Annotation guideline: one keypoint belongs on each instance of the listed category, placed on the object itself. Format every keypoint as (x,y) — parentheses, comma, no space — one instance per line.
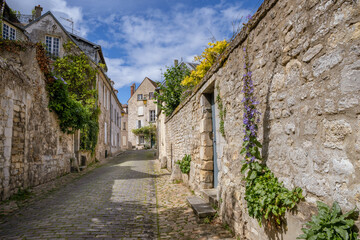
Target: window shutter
(140,111)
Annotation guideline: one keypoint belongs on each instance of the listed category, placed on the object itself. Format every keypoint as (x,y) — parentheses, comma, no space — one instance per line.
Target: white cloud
(59,8)
(153,40)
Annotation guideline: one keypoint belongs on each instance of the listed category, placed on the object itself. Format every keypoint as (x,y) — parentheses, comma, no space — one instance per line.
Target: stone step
(201,208)
(210,195)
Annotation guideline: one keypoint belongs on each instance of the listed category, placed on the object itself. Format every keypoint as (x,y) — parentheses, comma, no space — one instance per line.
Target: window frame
(150,116)
(141,140)
(140,97)
(151,95)
(9,32)
(52,52)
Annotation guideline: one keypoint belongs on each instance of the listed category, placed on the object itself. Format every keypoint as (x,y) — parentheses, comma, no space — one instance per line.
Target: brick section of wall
(305,59)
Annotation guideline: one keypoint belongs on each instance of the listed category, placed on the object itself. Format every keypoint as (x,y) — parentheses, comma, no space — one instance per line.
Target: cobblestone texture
(114,201)
(176,218)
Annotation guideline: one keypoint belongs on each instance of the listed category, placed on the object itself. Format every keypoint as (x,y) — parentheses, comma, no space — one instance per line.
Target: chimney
(176,62)
(38,11)
(132,89)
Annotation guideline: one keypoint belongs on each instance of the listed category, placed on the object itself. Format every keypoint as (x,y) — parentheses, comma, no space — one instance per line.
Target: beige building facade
(142,111)
(125,144)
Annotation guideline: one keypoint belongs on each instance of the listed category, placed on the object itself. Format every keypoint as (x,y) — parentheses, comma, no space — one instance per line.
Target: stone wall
(305,60)
(33,150)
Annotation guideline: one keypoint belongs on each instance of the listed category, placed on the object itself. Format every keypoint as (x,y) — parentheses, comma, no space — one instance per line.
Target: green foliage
(71,113)
(185,164)
(80,76)
(73,96)
(21,195)
(147,131)
(267,197)
(171,89)
(331,224)
(222,112)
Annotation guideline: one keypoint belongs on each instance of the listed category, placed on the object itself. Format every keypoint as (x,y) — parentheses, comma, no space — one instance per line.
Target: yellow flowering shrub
(206,59)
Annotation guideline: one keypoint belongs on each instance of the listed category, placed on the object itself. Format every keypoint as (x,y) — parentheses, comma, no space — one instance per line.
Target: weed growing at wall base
(331,224)
(184,164)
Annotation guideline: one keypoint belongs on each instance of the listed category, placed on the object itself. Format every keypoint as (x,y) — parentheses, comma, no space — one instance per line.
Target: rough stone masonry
(305,61)
(33,150)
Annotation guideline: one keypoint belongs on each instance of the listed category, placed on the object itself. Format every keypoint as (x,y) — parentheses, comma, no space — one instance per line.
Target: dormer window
(9,32)
(52,45)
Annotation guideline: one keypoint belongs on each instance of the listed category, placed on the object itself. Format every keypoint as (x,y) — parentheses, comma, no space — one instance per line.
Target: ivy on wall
(222,111)
(73,96)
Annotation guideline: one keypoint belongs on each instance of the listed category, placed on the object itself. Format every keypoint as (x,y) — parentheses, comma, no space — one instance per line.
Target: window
(140,111)
(9,32)
(105,134)
(118,140)
(124,126)
(141,139)
(139,123)
(104,96)
(52,45)
(124,140)
(151,95)
(152,116)
(140,97)
(100,88)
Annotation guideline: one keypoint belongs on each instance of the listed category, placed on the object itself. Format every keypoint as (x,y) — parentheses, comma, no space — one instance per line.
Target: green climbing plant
(266,197)
(222,112)
(73,96)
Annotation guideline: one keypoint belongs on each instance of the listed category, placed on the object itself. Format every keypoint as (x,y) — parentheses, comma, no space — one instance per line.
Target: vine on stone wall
(76,84)
(266,197)
(222,111)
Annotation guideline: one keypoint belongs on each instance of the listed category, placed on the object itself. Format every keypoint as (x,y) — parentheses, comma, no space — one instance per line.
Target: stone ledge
(202,209)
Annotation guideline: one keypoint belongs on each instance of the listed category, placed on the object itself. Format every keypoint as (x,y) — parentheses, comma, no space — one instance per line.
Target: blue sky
(140,38)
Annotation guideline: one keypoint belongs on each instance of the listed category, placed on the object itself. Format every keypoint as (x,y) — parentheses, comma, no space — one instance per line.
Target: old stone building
(110,106)
(33,149)
(125,144)
(142,111)
(305,58)
(11,28)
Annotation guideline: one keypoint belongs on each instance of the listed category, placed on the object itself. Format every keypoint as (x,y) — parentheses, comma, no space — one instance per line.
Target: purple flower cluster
(250,118)
(60,79)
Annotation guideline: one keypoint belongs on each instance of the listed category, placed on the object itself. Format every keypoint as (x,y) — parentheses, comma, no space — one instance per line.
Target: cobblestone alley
(114,201)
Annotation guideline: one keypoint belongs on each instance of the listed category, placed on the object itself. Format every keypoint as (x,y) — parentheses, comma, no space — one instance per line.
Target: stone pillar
(206,145)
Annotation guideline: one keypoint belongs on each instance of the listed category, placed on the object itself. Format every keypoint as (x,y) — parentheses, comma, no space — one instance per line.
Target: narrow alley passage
(114,201)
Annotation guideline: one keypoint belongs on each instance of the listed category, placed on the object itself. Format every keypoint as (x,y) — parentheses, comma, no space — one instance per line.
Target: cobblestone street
(114,201)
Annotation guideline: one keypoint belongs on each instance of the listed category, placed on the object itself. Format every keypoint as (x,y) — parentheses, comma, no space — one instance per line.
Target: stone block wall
(305,60)
(33,150)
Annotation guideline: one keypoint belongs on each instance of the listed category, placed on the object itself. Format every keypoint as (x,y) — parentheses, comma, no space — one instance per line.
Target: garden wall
(33,150)
(305,62)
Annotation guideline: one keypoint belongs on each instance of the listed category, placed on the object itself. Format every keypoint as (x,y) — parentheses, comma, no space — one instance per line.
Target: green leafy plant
(71,113)
(222,112)
(149,132)
(184,164)
(171,90)
(331,224)
(73,96)
(267,197)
